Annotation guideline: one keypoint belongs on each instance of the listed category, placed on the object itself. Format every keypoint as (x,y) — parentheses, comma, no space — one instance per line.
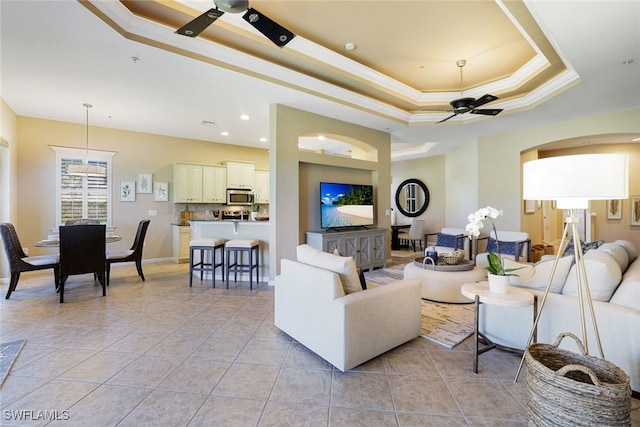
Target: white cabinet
(262,186)
(367,247)
(214,184)
(240,174)
(181,240)
(187,183)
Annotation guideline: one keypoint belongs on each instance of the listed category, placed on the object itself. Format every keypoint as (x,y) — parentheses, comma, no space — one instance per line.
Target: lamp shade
(573,180)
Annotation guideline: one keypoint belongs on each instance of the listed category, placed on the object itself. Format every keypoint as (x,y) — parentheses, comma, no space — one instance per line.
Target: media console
(367,247)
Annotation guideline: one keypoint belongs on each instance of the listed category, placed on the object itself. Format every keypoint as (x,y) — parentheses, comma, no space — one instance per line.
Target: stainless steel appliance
(239,196)
(240,215)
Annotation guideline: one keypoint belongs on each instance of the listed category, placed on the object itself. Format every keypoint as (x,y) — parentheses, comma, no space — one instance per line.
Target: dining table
(53,243)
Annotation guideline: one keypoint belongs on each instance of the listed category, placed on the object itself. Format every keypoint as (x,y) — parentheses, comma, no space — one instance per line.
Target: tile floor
(161,353)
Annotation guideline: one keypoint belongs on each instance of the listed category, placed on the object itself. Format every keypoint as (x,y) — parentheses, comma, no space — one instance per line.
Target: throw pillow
(628,246)
(506,248)
(345,267)
(541,272)
(618,253)
(603,274)
(446,240)
(570,250)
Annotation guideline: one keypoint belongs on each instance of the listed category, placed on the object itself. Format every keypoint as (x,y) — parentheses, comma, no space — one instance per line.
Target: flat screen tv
(345,205)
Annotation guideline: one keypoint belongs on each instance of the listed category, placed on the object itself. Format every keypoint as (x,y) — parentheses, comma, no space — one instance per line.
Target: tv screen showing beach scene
(346,205)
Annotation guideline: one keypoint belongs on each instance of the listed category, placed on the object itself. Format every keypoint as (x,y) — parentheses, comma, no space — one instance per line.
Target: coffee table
(514,297)
(442,283)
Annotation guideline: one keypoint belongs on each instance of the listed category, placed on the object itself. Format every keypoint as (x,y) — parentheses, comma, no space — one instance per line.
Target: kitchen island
(228,230)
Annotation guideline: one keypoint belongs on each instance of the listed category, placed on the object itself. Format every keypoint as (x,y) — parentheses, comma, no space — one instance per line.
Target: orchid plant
(476,223)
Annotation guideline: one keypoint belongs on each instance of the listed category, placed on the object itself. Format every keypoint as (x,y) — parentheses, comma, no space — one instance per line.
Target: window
(82,197)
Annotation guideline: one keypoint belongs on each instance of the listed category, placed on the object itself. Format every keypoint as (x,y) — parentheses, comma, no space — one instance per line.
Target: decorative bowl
(452,258)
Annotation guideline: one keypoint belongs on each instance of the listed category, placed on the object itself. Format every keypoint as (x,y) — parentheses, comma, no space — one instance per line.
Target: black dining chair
(132,255)
(82,250)
(19,262)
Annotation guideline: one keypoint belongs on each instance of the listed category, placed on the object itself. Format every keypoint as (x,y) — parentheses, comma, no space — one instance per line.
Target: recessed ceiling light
(207,123)
(224,133)
(321,137)
(349,46)
(244,117)
(263,139)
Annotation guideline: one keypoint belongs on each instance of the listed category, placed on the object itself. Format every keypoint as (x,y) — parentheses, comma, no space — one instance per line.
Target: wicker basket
(452,258)
(571,389)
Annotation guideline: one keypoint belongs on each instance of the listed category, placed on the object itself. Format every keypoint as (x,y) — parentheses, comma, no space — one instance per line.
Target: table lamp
(572,181)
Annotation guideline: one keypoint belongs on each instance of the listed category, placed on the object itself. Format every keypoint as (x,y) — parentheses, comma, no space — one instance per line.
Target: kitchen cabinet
(262,186)
(367,247)
(187,183)
(240,174)
(214,184)
(181,240)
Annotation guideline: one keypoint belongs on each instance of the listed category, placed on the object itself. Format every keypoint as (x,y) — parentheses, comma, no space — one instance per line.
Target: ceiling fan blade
(272,30)
(485,99)
(487,111)
(199,24)
(444,120)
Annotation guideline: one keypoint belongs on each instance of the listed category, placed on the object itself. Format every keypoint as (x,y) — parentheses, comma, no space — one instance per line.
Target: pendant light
(87,169)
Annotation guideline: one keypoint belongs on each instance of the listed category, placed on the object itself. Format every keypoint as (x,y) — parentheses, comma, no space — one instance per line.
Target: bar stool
(206,246)
(238,247)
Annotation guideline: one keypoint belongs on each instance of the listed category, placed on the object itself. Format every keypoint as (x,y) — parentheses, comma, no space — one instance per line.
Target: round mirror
(412,197)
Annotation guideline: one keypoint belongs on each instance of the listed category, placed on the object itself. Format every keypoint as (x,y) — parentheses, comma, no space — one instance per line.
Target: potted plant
(255,210)
(498,276)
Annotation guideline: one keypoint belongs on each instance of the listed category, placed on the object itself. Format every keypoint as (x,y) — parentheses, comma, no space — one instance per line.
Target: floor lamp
(572,181)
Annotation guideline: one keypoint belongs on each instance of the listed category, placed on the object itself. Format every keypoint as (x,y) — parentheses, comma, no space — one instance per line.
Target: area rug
(444,324)
(8,354)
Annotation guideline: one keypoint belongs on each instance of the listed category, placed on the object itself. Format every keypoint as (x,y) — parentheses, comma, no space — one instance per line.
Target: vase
(498,284)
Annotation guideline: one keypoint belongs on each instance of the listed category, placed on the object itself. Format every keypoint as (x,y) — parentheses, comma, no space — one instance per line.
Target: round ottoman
(444,286)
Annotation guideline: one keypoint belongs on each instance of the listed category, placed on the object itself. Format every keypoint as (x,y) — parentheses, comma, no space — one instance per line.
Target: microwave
(239,196)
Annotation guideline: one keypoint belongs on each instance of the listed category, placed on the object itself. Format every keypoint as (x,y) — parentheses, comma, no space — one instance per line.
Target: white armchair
(344,329)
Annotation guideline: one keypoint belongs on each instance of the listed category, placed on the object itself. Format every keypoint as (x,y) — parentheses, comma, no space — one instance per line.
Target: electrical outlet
(153,212)
(387,212)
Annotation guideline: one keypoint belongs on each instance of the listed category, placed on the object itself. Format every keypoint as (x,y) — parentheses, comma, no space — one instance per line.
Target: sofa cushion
(345,267)
(628,246)
(535,276)
(603,274)
(618,253)
(628,292)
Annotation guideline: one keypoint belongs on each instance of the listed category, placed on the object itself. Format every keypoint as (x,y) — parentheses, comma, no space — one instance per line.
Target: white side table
(515,297)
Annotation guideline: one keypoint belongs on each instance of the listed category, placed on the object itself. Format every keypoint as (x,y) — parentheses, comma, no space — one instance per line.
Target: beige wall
(8,173)
(136,153)
(432,172)
(287,223)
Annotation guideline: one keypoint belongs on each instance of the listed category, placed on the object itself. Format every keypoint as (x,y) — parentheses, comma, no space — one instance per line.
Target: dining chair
(19,262)
(132,255)
(82,250)
(415,233)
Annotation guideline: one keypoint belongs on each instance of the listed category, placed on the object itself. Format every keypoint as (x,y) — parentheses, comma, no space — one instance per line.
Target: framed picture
(614,209)
(144,183)
(529,206)
(635,210)
(127,191)
(160,191)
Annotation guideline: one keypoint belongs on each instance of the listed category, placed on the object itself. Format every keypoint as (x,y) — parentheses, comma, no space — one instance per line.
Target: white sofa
(613,273)
(344,329)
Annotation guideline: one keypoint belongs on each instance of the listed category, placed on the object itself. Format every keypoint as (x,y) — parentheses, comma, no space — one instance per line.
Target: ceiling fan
(275,32)
(470,105)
